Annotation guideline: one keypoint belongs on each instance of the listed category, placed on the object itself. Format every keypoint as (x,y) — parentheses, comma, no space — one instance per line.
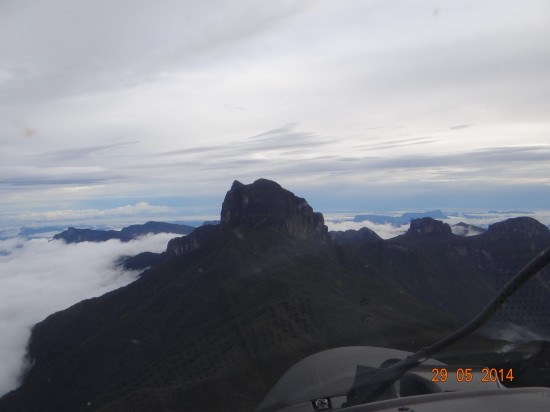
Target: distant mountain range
(73,235)
(461,229)
(404,219)
(225,310)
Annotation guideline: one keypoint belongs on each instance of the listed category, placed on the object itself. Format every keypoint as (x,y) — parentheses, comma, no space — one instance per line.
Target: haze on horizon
(153,109)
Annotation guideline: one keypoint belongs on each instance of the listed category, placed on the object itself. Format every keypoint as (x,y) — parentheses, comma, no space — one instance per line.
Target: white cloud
(39,277)
(385,231)
(465,231)
(514,333)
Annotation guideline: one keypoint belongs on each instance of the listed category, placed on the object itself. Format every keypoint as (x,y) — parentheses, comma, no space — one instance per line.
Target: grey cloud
(41,180)
(295,157)
(277,139)
(52,177)
(505,157)
(390,144)
(80,166)
(194,150)
(63,53)
(459,126)
(288,140)
(76,155)
(482,158)
(480,164)
(352,159)
(275,132)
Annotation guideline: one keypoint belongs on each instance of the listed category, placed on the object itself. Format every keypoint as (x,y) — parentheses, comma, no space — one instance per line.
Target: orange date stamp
(467,375)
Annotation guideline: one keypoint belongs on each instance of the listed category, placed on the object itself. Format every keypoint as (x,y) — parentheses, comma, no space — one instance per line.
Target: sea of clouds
(39,277)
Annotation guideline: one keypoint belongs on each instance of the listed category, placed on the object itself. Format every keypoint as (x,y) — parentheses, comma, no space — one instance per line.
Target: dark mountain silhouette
(215,322)
(142,260)
(460,274)
(73,235)
(176,246)
(355,237)
(266,206)
(426,226)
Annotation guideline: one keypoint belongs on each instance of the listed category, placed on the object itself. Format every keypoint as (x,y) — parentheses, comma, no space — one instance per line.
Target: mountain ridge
(231,306)
(74,235)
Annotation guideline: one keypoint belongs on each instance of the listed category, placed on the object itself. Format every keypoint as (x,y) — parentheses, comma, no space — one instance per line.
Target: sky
(142,109)
(39,277)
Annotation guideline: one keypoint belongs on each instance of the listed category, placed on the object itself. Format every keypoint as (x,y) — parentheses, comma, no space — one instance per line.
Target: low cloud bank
(514,333)
(39,277)
(385,231)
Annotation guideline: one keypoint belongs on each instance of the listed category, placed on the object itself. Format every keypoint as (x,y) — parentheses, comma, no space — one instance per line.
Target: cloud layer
(39,277)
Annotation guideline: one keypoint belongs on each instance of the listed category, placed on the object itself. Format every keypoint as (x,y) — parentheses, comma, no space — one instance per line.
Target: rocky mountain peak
(428,226)
(523,226)
(265,205)
(355,237)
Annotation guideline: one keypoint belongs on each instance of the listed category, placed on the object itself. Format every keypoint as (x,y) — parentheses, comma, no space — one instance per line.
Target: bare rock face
(261,206)
(428,227)
(197,238)
(355,237)
(264,205)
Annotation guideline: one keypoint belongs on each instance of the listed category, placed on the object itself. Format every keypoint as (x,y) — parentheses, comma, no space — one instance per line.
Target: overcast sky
(154,108)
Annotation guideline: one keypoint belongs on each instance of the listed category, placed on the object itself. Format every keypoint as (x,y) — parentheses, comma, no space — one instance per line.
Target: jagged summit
(261,206)
(265,205)
(355,237)
(428,227)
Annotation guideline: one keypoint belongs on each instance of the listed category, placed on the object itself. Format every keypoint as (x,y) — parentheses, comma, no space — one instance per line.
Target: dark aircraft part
(375,382)
(354,376)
